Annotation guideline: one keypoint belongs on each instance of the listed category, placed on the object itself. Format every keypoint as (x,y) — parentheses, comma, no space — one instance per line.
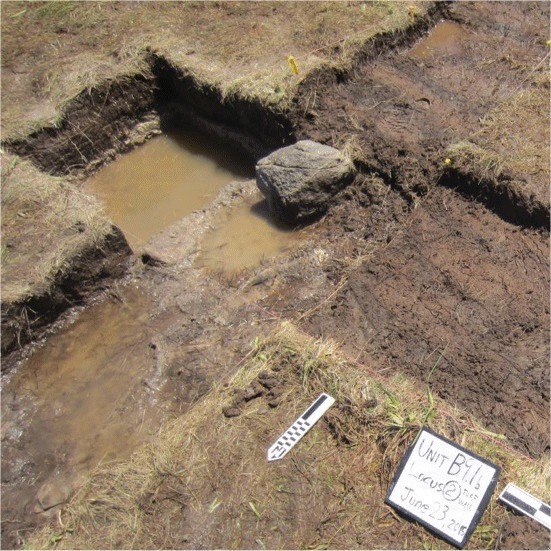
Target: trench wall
(98,124)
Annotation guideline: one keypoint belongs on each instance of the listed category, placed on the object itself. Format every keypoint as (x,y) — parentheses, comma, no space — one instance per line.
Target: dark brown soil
(413,269)
(454,279)
(95,270)
(403,109)
(107,113)
(520,533)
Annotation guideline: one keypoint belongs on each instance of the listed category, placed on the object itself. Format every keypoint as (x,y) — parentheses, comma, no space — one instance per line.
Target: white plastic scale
(527,504)
(300,427)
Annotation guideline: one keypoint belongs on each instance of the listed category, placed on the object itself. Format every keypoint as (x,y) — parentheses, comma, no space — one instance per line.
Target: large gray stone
(299,180)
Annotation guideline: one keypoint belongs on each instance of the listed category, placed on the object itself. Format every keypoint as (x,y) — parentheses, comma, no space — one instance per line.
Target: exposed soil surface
(403,107)
(454,279)
(407,266)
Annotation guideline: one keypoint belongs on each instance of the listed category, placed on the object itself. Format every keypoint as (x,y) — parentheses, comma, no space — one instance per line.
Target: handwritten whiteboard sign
(443,486)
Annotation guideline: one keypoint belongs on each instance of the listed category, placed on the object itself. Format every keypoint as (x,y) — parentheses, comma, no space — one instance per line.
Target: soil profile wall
(97,124)
(92,271)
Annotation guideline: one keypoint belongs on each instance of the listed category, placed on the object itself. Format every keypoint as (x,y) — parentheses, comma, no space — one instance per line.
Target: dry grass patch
(511,148)
(51,51)
(64,222)
(206,483)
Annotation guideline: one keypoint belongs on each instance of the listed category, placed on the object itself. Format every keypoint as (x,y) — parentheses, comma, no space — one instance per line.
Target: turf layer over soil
(431,270)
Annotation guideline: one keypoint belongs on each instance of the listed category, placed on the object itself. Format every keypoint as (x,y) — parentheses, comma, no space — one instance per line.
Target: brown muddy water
(91,393)
(81,399)
(164,180)
(173,175)
(244,236)
(444,40)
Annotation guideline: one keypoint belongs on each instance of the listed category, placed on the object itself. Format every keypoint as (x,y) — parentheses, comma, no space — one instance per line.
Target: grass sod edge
(474,170)
(27,28)
(359,443)
(403,416)
(502,164)
(136,79)
(359,48)
(69,251)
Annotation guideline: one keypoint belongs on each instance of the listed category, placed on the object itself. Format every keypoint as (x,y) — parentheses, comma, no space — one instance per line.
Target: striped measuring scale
(300,427)
(526,503)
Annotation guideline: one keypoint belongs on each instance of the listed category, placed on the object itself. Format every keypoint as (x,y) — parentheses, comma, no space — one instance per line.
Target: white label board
(443,486)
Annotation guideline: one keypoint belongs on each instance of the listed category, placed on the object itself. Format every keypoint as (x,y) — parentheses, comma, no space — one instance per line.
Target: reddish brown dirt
(522,533)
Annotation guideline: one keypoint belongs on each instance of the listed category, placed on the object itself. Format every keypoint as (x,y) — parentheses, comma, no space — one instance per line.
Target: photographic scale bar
(526,503)
(300,427)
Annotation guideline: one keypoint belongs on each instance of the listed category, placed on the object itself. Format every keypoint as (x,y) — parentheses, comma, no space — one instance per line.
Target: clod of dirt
(253,391)
(51,494)
(274,402)
(151,259)
(265,385)
(268,381)
(231,411)
(265,277)
(338,428)
(371,403)
(299,180)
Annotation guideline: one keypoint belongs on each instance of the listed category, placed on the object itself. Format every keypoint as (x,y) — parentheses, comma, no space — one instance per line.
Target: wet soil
(164,180)
(403,107)
(147,351)
(95,269)
(459,281)
(79,400)
(399,271)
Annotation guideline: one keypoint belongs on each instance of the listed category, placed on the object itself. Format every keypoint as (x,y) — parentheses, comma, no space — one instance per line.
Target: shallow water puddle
(245,236)
(171,176)
(80,398)
(445,39)
(92,392)
(164,180)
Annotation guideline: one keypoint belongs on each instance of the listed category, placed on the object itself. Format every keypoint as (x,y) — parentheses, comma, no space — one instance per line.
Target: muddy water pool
(79,400)
(164,180)
(92,393)
(244,236)
(445,39)
(173,175)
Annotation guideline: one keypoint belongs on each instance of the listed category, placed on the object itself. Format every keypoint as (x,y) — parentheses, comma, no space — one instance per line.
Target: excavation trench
(399,269)
(100,123)
(399,136)
(109,120)
(62,409)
